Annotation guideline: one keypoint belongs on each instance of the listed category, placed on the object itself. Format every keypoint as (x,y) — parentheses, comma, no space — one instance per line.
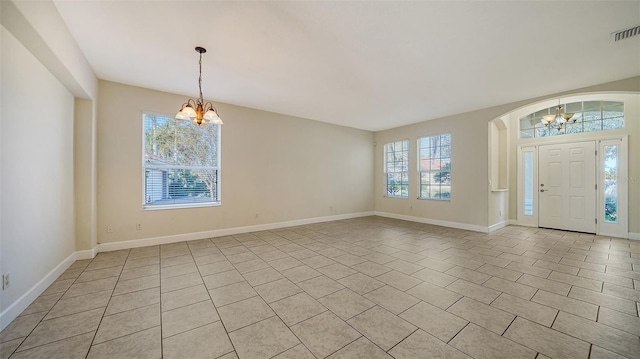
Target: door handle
(542,190)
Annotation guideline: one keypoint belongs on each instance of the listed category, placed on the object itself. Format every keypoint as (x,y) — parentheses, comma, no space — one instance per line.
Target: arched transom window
(574,117)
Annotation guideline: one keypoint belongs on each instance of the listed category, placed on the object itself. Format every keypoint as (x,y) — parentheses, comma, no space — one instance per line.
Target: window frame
(403,174)
(152,207)
(431,172)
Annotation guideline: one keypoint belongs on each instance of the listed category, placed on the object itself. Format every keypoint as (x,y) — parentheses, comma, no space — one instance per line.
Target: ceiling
(368,65)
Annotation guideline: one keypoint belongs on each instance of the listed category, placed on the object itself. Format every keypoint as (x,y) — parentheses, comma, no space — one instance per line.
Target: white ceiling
(368,65)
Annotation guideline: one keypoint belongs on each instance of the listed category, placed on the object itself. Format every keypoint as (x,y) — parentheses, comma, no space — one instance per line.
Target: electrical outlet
(109,229)
(257,215)
(500,213)
(5,281)
(330,208)
(139,226)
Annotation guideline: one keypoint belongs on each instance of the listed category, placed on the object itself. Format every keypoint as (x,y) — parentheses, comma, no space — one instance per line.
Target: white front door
(567,186)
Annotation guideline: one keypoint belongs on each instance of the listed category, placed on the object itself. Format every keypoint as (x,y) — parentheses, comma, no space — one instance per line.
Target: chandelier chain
(200,80)
(197,110)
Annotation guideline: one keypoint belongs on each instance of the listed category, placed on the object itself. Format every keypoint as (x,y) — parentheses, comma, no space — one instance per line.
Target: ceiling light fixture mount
(559,120)
(198,111)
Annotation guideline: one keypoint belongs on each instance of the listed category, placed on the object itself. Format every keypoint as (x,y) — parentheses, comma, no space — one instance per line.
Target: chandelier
(559,120)
(198,111)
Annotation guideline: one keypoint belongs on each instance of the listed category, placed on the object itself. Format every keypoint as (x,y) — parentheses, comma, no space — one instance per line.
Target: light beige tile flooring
(361,288)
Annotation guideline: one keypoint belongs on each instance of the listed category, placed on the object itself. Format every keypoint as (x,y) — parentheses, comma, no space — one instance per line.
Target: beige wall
(37,25)
(631,129)
(279,167)
(37,170)
(469,153)
(470,175)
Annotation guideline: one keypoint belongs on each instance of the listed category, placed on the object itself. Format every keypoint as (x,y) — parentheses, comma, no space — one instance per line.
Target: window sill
(157,207)
(435,199)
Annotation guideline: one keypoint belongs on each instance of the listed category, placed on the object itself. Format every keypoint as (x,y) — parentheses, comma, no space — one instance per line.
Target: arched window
(583,116)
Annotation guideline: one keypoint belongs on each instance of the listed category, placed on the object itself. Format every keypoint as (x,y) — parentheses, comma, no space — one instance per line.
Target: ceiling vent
(624,34)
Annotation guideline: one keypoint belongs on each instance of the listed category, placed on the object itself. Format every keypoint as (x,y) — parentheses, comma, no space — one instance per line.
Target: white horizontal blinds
(589,116)
(181,162)
(397,168)
(434,153)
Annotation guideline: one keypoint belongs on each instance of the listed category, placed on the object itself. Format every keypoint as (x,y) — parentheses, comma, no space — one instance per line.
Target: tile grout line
(507,328)
(275,313)
(211,299)
(403,339)
(49,310)
(109,301)
(459,331)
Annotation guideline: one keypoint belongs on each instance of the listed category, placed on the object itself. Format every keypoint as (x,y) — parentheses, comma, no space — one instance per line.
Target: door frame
(620,229)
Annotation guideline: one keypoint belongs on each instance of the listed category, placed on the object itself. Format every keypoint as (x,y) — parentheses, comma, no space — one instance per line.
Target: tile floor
(363,288)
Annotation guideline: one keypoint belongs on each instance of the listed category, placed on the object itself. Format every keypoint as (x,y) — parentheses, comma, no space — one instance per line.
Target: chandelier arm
(209,106)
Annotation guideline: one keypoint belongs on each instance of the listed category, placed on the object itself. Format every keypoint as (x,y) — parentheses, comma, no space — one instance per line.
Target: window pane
(591,126)
(526,122)
(574,127)
(613,110)
(541,113)
(592,105)
(176,142)
(542,131)
(573,107)
(528,183)
(554,131)
(177,186)
(611,183)
(445,192)
(613,123)
(424,142)
(592,115)
(435,167)
(527,134)
(396,166)
(181,161)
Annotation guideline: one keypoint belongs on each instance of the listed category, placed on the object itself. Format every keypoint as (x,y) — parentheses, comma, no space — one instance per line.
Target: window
(589,116)
(528,183)
(611,183)
(181,163)
(435,167)
(396,167)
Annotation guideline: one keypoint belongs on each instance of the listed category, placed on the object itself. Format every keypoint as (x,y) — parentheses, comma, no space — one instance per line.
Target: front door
(567,186)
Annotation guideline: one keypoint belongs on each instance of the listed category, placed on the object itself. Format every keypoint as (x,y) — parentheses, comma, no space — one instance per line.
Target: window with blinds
(396,167)
(181,163)
(434,153)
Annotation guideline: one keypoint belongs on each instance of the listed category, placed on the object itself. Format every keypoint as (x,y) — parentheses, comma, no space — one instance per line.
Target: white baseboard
(497,226)
(437,222)
(634,236)
(17,307)
(104,247)
(86,254)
